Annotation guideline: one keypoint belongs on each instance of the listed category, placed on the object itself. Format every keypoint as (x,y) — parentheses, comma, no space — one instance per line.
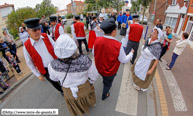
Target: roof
(76,2)
(62,10)
(6,5)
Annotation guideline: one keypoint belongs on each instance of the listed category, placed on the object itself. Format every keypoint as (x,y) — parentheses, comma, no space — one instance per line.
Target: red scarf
(127,15)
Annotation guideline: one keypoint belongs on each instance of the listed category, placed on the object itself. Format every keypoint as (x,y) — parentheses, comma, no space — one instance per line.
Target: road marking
(162,98)
(128,97)
(178,100)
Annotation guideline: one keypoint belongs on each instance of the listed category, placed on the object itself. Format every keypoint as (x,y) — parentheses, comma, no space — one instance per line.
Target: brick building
(78,7)
(175,14)
(188,22)
(5,10)
(159,11)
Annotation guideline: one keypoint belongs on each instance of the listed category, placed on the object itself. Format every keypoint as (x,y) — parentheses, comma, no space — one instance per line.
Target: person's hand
(41,78)
(0,73)
(132,51)
(129,22)
(149,72)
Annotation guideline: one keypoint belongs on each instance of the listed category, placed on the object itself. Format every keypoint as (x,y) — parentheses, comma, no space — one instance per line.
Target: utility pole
(154,10)
(72,7)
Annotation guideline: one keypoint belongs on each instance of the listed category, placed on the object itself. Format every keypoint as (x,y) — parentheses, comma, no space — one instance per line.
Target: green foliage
(68,29)
(16,18)
(45,8)
(68,16)
(93,5)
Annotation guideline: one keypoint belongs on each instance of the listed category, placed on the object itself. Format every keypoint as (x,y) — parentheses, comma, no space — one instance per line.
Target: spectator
(159,24)
(81,17)
(23,35)
(166,44)
(9,38)
(179,48)
(87,20)
(13,62)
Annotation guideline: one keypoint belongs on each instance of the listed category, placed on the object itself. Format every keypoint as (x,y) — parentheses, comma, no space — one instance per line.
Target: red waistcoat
(57,33)
(36,58)
(106,53)
(79,29)
(135,32)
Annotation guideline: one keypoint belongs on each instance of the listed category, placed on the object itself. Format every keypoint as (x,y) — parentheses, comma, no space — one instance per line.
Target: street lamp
(72,7)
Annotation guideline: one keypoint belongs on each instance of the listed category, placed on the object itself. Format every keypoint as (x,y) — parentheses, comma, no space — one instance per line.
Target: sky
(61,4)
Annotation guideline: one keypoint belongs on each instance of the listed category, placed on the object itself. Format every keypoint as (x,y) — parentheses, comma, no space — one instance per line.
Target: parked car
(64,20)
(145,21)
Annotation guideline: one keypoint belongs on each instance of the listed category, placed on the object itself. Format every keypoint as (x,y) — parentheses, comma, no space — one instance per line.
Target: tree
(145,4)
(45,8)
(16,18)
(136,5)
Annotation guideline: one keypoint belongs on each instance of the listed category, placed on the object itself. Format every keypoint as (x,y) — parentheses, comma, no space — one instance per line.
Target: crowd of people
(52,55)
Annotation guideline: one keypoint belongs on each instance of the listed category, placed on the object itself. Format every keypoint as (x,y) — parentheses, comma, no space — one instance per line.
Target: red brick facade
(79,7)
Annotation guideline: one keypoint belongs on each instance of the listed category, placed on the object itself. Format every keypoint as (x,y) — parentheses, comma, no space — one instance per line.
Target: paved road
(124,99)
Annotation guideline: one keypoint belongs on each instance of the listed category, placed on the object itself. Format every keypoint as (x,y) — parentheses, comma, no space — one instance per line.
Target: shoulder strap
(66,72)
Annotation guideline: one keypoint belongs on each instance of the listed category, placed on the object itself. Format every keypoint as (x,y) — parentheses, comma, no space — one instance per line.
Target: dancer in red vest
(92,34)
(108,54)
(57,29)
(135,31)
(39,52)
(78,29)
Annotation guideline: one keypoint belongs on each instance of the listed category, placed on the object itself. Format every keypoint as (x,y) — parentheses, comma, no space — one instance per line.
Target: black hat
(77,17)
(126,1)
(53,18)
(135,16)
(32,23)
(108,25)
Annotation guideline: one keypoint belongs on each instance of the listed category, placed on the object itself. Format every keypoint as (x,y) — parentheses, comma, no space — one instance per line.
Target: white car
(144,20)
(64,21)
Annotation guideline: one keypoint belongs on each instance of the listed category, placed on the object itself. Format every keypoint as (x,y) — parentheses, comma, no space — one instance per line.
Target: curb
(161,95)
(10,89)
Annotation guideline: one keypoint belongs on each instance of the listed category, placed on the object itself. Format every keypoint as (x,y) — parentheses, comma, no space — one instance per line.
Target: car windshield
(63,17)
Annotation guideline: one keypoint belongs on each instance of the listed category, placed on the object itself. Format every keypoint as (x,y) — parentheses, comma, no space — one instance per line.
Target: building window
(171,21)
(174,2)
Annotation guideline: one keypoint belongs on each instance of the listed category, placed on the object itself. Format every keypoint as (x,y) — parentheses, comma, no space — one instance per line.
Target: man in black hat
(39,51)
(78,31)
(108,54)
(57,29)
(135,33)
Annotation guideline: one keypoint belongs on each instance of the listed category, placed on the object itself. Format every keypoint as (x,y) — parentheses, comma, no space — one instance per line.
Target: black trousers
(119,25)
(107,82)
(17,68)
(55,84)
(80,45)
(164,49)
(132,45)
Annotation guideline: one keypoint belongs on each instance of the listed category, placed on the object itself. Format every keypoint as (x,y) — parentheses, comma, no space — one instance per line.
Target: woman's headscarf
(20,29)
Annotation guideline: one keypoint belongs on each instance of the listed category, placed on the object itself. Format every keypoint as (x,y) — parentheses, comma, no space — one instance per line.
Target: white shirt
(61,30)
(23,36)
(123,58)
(143,63)
(180,46)
(74,79)
(42,51)
(74,34)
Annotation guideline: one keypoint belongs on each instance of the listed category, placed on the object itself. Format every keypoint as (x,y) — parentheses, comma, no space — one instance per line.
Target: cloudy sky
(61,4)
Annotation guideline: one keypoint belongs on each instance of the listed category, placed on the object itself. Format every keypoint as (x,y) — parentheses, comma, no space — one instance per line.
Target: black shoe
(160,60)
(168,68)
(1,92)
(103,98)
(62,94)
(18,61)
